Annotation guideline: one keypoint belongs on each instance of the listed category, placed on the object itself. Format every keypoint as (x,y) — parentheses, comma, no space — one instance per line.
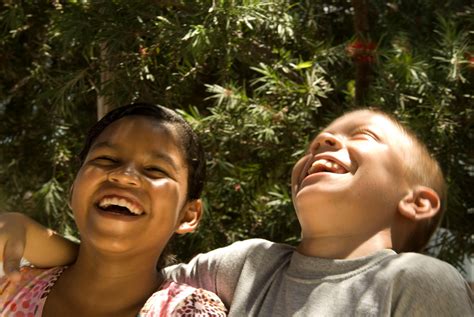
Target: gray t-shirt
(261,278)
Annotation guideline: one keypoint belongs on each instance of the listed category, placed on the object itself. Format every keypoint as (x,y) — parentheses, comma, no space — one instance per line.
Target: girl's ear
(191,215)
(420,203)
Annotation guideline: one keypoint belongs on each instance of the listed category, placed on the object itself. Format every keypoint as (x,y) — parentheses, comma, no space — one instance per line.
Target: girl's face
(129,196)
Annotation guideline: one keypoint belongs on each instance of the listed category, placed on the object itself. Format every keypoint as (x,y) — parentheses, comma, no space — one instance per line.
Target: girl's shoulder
(177,299)
(27,295)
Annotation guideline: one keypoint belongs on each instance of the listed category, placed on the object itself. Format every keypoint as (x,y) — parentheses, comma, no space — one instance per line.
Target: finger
(11,259)
(14,276)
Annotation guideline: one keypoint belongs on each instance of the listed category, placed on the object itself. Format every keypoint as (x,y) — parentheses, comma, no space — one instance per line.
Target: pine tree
(256,78)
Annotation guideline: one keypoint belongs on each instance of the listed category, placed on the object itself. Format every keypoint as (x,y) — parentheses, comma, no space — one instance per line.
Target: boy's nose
(330,140)
(126,175)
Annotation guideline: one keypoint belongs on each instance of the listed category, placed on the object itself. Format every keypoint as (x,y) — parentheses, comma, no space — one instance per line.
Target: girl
(140,179)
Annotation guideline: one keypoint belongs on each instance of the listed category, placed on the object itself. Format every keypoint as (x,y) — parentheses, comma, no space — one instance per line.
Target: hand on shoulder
(12,243)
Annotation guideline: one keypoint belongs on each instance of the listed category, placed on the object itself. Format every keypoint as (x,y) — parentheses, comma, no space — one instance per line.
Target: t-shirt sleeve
(430,287)
(217,271)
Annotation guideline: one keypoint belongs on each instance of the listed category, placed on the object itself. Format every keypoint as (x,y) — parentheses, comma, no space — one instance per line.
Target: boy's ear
(191,215)
(420,203)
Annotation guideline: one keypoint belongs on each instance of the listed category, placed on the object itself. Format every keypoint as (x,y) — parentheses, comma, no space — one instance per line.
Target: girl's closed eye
(156,172)
(105,160)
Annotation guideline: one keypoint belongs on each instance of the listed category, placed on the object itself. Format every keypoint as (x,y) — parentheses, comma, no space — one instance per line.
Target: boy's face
(129,193)
(352,178)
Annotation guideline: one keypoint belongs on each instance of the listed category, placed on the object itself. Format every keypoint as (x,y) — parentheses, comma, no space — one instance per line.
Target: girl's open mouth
(119,205)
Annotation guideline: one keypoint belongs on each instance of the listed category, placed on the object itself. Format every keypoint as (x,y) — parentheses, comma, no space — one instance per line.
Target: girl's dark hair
(190,145)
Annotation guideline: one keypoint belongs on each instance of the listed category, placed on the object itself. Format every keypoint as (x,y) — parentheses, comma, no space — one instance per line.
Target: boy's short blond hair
(421,169)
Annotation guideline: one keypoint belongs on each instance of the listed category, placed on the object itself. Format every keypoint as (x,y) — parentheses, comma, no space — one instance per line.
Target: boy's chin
(317,196)
(310,207)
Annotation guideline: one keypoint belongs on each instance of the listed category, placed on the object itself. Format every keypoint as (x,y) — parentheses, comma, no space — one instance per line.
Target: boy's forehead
(377,123)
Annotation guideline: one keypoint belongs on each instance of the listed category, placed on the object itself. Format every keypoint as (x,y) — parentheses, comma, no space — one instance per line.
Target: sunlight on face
(353,175)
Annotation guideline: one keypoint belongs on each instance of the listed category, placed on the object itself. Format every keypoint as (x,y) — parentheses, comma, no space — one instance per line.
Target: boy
(365,188)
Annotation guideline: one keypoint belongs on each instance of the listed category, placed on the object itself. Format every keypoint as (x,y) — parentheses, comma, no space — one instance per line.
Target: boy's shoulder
(255,249)
(423,265)
(425,270)
(261,244)
(422,283)
(237,253)
(418,272)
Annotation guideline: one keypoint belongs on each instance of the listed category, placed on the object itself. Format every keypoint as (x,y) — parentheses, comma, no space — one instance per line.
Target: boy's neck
(344,246)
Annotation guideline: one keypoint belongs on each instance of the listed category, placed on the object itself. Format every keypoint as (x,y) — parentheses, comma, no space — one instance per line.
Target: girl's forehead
(140,125)
(132,130)
(142,139)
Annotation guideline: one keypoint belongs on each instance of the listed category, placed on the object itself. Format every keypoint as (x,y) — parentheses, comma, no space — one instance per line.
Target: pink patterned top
(27,298)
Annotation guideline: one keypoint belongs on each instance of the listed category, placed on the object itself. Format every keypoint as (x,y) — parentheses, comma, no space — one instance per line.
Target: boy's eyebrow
(155,155)
(376,132)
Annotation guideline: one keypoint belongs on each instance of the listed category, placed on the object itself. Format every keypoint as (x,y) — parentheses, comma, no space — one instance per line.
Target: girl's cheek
(168,190)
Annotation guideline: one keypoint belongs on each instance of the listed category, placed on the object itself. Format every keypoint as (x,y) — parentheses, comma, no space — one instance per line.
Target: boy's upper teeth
(324,165)
(108,201)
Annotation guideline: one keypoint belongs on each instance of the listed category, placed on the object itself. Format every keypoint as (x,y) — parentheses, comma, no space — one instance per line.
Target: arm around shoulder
(20,236)
(217,271)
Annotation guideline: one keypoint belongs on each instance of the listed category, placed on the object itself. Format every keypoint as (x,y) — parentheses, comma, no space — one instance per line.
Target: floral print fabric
(27,298)
(182,300)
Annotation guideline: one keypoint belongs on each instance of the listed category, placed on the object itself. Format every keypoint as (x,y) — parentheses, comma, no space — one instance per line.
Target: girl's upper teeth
(108,201)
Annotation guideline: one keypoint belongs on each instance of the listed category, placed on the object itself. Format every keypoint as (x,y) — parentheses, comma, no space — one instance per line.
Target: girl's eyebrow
(103,144)
(162,156)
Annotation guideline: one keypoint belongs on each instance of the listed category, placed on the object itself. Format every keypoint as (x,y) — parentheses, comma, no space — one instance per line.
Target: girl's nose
(126,175)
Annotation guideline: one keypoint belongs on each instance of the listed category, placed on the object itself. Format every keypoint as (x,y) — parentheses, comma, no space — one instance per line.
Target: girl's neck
(122,285)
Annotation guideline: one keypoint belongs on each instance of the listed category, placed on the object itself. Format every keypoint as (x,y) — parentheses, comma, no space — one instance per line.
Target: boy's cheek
(296,173)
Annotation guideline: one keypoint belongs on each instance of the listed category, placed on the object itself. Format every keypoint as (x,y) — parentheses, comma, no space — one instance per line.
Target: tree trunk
(362,62)
(104,104)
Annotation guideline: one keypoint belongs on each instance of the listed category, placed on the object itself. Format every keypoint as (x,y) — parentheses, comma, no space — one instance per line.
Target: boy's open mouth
(326,165)
(120,205)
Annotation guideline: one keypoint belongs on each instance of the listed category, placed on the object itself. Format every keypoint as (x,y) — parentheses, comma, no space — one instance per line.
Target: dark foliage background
(258,79)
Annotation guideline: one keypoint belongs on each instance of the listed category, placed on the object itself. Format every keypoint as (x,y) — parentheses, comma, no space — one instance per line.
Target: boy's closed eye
(364,133)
